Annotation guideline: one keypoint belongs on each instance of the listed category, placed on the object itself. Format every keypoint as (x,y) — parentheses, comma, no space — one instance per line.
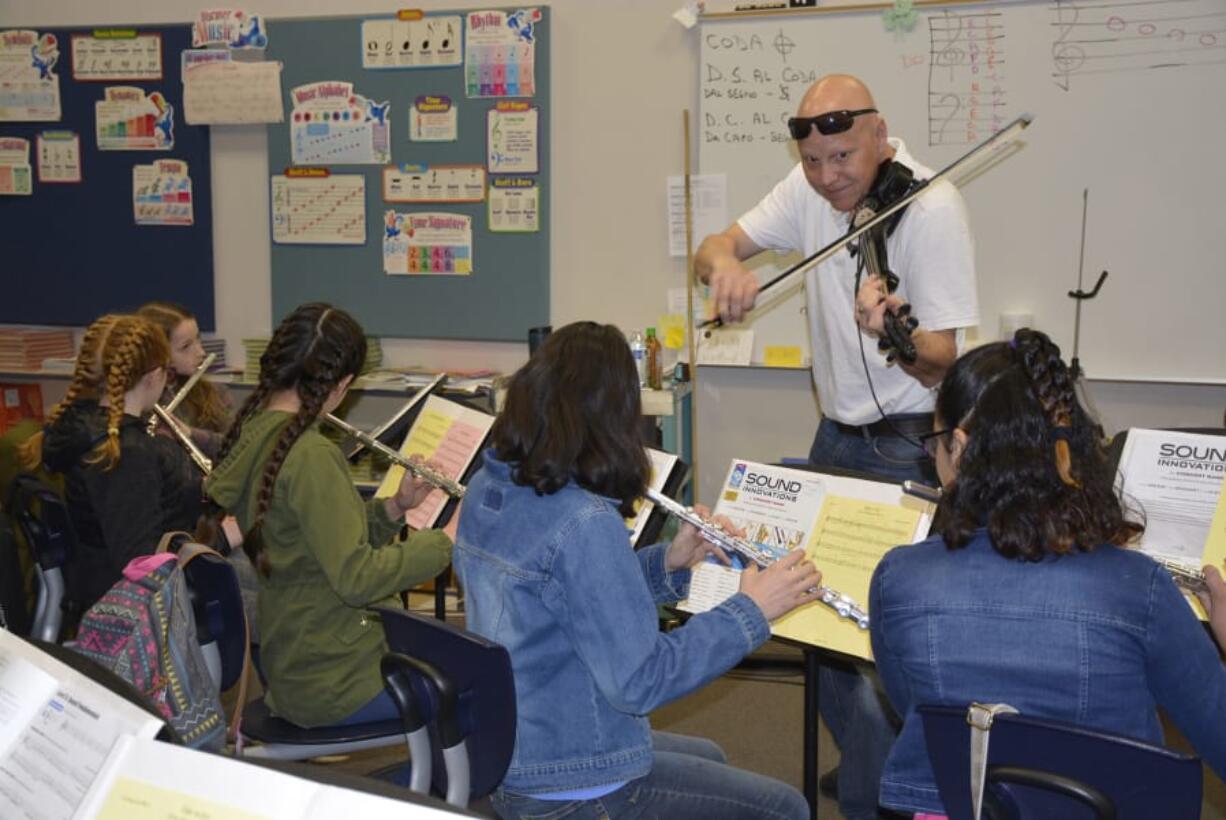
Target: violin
(893,183)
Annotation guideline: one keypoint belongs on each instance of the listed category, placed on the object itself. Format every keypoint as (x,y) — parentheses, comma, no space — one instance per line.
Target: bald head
(835,92)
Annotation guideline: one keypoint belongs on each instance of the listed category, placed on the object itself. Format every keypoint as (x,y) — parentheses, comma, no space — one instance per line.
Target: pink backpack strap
(139,567)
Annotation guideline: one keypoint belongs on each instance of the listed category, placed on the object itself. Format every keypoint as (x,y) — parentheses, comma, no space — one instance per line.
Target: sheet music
(56,729)
(845,525)
(1176,479)
(662,465)
(232,93)
(449,433)
(328,210)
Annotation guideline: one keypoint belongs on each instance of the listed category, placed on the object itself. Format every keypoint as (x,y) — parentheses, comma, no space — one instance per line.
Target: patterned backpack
(143,629)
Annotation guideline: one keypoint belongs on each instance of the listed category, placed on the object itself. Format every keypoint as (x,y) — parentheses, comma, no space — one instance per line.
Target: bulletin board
(507,291)
(73,251)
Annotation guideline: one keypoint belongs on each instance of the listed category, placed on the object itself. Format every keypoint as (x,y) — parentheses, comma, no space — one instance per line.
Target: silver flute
(179,396)
(1185,577)
(429,475)
(185,438)
(840,603)
(417,398)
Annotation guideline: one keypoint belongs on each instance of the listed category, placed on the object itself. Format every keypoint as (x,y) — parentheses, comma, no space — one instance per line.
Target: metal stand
(1080,295)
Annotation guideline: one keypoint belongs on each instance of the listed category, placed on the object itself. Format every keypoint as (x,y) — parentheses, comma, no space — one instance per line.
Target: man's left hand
(872,301)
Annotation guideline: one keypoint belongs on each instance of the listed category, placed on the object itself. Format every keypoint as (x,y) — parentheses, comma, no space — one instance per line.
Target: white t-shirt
(932,252)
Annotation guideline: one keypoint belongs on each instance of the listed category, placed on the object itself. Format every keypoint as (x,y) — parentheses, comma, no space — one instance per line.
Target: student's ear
(957,444)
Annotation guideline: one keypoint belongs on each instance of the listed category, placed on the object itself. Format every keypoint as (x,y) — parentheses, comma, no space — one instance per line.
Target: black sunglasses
(929,440)
(832,122)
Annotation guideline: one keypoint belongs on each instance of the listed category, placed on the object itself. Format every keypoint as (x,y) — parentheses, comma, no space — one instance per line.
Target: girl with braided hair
(123,488)
(324,556)
(1026,594)
(206,408)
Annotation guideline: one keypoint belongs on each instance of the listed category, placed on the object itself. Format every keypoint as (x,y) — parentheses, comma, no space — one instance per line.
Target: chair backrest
(1140,779)
(479,672)
(42,518)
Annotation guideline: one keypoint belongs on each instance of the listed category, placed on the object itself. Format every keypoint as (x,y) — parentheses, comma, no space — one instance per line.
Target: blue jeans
(380,707)
(851,702)
(690,778)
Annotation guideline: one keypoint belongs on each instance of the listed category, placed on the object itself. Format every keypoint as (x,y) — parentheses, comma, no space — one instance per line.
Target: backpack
(143,629)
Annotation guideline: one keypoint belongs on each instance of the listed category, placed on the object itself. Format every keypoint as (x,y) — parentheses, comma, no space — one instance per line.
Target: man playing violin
(843,142)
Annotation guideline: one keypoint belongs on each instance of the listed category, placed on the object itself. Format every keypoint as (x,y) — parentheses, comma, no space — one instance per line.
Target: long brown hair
(572,413)
(311,352)
(204,406)
(116,353)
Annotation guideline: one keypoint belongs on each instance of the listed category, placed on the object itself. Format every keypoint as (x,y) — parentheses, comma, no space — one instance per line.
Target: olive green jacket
(319,648)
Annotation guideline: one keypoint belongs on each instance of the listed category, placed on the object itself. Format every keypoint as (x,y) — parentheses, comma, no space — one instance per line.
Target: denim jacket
(1099,639)
(553,578)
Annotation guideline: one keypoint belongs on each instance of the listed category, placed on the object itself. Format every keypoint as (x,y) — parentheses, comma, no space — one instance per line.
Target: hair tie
(1062,433)
(1013,343)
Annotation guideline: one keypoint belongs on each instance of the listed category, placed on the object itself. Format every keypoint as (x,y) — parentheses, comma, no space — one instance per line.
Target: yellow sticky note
(672,331)
(783,356)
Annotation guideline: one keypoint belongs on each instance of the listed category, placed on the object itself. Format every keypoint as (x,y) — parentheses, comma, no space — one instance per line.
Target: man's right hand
(734,289)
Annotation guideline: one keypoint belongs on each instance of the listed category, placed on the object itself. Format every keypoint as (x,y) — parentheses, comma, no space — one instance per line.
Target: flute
(185,438)
(1186,578)
(405,409)
(432,477)
(179,396)
(840,603)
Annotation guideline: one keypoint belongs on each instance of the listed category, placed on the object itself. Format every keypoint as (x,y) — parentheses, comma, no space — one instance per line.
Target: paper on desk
(1176,479)
(845,525)
(55,737)
(850,539)
(708,205)
(725,346)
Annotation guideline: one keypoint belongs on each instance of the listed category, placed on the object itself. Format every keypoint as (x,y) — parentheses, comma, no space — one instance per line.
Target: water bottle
(638,349)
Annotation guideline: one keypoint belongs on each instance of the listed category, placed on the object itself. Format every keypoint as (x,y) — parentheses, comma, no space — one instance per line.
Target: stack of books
(22,349)
(213,344)
(254,349)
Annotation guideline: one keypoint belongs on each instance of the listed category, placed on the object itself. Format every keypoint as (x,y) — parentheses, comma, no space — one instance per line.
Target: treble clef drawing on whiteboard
(943,33)
(1067,57)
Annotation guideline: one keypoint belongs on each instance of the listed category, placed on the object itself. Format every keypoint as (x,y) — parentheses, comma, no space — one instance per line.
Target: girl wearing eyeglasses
(1026,592)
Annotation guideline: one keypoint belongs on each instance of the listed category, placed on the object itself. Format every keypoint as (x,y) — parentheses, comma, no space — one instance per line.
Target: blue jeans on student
(380,707)
(851,702)
(690,778)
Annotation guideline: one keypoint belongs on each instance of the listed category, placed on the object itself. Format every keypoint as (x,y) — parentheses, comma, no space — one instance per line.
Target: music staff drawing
(1108,38)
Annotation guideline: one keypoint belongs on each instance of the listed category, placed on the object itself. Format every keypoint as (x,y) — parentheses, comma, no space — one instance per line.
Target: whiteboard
(1129,100)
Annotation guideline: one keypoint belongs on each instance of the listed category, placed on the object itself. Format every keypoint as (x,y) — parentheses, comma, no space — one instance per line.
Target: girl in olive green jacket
(314,541)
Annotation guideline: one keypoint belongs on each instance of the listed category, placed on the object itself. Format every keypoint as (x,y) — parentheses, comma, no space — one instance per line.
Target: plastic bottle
(638,349)
(655,360)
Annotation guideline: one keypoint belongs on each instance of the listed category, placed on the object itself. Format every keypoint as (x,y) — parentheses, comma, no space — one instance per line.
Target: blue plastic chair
(1048,769)
(461,685)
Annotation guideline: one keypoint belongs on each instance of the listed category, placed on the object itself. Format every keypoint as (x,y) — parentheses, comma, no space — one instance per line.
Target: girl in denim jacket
(1025,594)
(546,562)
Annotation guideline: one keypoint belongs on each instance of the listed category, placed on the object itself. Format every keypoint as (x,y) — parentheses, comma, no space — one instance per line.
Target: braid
(1053,387)
(86,376)
(311,352)
(253,543)
(132,348)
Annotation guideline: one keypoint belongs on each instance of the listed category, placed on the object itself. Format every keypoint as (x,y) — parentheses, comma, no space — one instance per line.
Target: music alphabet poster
(333,125)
